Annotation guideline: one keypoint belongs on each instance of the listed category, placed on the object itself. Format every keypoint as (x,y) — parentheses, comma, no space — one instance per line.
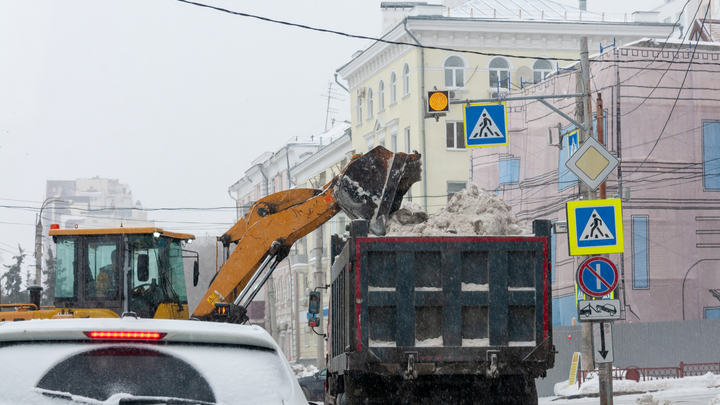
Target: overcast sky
(173,99)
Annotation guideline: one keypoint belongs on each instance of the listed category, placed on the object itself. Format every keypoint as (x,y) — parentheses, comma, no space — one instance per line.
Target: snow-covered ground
(703,390)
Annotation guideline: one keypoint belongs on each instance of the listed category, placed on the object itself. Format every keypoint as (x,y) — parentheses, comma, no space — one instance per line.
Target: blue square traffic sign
(485,125)
(595,227)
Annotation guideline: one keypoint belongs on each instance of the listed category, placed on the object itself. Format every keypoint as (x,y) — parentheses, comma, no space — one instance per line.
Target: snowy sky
(173,99)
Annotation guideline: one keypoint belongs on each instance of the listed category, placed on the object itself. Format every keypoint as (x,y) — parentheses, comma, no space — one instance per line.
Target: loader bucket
(372,186)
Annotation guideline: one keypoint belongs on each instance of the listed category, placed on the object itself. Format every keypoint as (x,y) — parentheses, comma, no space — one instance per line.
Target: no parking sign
(597,276)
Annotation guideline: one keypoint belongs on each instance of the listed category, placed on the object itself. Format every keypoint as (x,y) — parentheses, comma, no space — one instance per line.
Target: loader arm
(370,187)
(300,212)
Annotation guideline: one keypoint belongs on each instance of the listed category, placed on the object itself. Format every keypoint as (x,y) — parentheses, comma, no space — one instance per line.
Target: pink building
(667,136)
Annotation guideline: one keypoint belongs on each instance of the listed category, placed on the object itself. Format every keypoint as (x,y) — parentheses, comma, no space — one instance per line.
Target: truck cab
(136,270)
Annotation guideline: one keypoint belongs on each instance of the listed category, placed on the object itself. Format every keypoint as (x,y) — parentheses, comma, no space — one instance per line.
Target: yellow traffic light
(438,102)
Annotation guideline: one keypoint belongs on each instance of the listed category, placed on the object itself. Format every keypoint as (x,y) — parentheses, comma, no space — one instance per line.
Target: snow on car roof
(182,331)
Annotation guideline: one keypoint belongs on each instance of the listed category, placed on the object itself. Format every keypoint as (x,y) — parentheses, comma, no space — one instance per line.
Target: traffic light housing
(438,101)
(314,303)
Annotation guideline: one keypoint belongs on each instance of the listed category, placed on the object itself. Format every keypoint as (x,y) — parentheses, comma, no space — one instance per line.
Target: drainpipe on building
(266,182)
(237,214)
(339,84)
(422,112)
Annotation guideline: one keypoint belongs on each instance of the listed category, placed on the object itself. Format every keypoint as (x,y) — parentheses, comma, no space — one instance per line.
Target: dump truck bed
(450,302)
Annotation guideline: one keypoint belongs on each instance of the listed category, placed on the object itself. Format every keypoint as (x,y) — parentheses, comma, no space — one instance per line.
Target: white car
(142,361)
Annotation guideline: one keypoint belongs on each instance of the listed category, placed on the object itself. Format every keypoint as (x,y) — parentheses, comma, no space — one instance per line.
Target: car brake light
(125,335)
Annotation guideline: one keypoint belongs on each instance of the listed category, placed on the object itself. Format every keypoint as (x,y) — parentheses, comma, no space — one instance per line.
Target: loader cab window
(103,268)
(157,274)
(65,285)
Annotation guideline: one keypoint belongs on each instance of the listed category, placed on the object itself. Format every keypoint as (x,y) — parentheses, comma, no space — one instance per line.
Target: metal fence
(654,373)
(651,346)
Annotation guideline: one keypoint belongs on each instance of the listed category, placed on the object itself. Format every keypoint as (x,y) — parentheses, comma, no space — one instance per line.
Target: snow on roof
(528,10)
(177,330)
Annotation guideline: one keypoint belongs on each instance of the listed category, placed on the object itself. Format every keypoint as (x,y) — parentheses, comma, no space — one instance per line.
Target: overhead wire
(410,44)
(676,100)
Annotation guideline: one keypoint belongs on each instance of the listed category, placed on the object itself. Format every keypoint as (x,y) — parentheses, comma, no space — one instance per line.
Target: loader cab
(122,269)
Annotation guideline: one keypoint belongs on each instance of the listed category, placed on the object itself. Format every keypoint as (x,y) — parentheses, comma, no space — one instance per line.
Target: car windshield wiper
(162,401)
(129,400)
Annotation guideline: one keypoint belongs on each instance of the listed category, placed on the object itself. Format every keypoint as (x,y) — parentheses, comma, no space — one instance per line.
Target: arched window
(454,72)
(499,71)
(359,110)
(369,102)
(381,96)
(393,88)
(406,80)
(541,69)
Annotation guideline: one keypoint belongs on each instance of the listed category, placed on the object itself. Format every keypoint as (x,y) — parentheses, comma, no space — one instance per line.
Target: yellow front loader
(108,272)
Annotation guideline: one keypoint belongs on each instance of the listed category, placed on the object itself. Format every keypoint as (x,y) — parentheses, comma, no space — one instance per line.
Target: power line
(676,99)
(413,45)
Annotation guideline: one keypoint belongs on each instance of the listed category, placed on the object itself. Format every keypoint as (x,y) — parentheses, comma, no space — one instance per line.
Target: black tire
(306,392)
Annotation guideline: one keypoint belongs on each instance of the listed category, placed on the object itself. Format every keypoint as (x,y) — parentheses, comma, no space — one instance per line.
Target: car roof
(178,331)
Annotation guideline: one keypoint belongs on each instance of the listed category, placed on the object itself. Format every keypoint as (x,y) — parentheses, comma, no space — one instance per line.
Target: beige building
(315,172)
(474,49)
(280,307)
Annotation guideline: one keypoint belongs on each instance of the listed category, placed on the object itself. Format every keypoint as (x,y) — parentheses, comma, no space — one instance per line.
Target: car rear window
(102,373)
(222,374)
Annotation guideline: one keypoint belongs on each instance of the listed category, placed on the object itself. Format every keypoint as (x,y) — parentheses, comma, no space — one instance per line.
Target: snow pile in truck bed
(471,212)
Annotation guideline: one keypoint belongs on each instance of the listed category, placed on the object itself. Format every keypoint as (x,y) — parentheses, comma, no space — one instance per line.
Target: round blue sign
(597,276)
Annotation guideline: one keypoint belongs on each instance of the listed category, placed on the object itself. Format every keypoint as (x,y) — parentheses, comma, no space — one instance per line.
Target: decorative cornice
(489,35)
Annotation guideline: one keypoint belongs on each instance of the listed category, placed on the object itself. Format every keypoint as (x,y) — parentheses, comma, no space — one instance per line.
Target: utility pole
(583,105)
(319,278)
(604,369)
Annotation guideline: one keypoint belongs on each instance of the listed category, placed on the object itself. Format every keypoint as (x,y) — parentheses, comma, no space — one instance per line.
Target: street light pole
(38,238)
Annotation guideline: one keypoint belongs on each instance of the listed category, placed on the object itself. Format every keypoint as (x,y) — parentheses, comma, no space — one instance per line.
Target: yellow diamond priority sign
(592,163)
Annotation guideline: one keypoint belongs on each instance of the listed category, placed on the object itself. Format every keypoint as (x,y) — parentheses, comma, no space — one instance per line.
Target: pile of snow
(592,385)
(304,371)
(471,212)
(648,400)
(715,401)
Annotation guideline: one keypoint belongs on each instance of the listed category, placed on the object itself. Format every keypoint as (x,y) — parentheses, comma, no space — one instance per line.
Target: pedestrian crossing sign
(595,227)
(486,124)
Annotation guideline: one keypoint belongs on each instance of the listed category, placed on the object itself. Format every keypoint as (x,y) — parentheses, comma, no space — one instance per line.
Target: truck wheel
(531,397)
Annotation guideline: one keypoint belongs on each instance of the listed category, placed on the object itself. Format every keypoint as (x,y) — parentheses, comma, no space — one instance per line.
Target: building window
(359,110)
(499,74)
(407,140)
(393,88)
(641,280)
(453,187)
(370,102)
(566,178)
(406,80)
(393,143)
(541,70)
(564,310)
(454,72)
(711,155)
(509,171)
(712,313)
(454,135)
(381,96)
